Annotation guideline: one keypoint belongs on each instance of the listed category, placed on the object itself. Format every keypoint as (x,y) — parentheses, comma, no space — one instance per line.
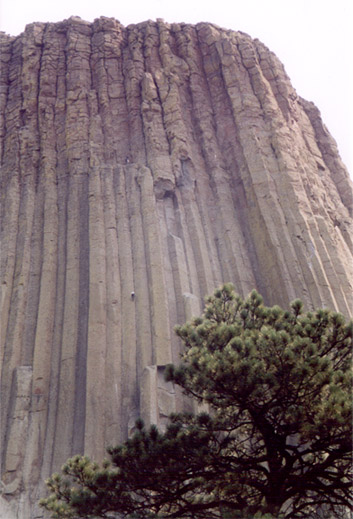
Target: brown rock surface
(159,160)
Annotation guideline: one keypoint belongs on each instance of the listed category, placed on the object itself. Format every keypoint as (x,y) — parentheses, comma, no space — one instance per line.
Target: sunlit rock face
(141,167)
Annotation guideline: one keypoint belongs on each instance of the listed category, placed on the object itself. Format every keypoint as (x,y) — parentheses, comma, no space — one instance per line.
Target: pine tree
(276,440)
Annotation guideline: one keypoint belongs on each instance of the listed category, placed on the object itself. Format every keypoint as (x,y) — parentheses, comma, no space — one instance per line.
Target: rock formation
(140,168)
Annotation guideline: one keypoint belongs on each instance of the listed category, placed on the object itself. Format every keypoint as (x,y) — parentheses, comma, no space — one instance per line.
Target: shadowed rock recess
(141,167)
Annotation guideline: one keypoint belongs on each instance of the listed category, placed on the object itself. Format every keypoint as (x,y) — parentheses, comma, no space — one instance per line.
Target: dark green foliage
(275,442)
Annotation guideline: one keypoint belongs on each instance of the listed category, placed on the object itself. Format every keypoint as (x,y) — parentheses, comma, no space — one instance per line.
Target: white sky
(312,38)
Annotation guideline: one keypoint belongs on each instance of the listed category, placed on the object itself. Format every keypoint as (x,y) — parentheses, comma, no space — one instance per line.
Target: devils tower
(141,167)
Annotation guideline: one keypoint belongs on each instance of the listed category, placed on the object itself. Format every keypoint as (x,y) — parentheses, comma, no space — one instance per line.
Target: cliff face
(140,168)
